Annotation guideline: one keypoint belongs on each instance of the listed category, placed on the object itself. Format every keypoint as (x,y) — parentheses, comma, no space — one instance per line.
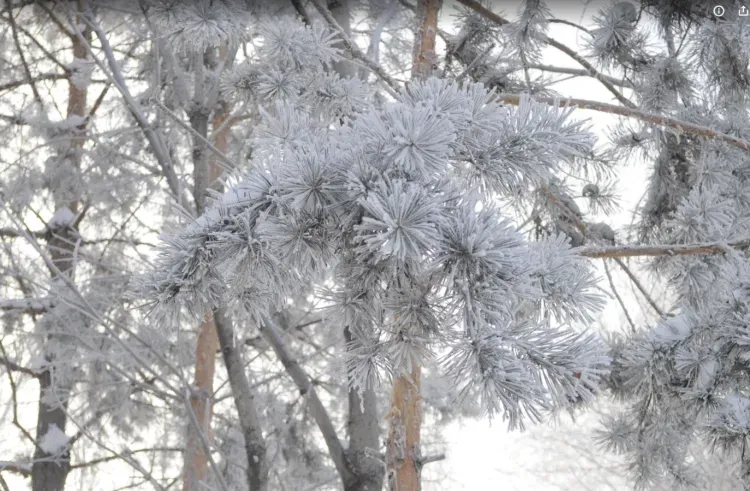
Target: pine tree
(415,267)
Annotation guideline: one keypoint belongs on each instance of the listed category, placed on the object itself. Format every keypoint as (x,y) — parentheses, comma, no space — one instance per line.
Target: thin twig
(618,297)
(487,13)
(475,62)
(640,287)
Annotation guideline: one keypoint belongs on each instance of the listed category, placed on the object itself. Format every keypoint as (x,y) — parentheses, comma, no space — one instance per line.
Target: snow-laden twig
(27,305)
(593,72)
(662,250)
(646,117)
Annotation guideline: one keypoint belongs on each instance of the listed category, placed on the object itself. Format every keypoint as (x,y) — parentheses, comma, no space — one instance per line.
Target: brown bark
(405,416)
(201,399)
(196,458)
(403,451)
(49,472)
(424,55)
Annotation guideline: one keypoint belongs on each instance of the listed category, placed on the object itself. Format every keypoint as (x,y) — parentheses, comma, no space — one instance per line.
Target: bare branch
(39,78)
(640,287)
(618,297)
(662,250)
(30,306)
(24,63)
(306,388)
(104,460)
(427,459)
(579,72)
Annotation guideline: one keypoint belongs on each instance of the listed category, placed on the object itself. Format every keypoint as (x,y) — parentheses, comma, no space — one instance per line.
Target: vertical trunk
(340,11)
(424,55)
(403,452)
(363,424)
(49,472)
(196,458)
(206,171)
(403,446)
(364,438)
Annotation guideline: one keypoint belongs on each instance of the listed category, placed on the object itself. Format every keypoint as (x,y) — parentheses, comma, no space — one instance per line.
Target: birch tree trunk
(405,416)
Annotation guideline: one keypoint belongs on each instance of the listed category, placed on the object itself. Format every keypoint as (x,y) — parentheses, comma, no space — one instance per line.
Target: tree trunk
(403,447)
(403,451)
(363,426)
(341,12)
(206,173)
(49,472)
(201,403)
(424,56)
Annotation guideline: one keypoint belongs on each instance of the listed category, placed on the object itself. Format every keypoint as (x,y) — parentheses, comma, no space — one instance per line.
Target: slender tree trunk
(49,472)
(363,426)
(363,423)
(403,447)
(341,12)
(424,54)
(201,403)
(403,452)
(206,173)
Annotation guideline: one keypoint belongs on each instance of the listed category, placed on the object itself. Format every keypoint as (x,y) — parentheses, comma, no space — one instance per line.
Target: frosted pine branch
(646,117)
(592,71)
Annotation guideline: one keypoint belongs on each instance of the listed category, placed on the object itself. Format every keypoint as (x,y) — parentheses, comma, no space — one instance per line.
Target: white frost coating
(54,441)
(80,72)
(62,218)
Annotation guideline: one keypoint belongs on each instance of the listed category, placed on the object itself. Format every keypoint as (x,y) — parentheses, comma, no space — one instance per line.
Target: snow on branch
(31,306)
(17,467)
(646,117)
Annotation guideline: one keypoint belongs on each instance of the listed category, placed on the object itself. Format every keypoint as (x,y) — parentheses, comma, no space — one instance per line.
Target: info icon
(718,11)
